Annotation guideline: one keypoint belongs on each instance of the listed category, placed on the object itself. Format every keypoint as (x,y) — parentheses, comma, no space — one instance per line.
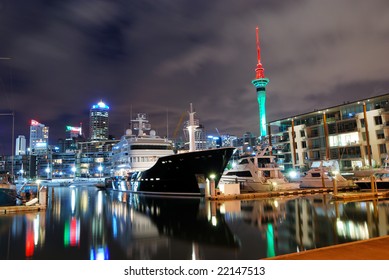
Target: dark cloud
(158,57)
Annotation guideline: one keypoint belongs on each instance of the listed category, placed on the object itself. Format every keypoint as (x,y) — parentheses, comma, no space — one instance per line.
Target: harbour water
(84,223)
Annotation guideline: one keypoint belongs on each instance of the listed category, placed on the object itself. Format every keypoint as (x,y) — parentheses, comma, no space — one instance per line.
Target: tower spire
(259,71)
(260,83)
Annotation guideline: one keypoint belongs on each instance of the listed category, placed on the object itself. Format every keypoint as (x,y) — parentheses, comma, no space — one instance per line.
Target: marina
(88,223)
(301,182)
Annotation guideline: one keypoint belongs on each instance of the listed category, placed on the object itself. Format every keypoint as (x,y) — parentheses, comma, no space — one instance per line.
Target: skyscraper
(20,147)
(260,83)
(39,137)
(99,121)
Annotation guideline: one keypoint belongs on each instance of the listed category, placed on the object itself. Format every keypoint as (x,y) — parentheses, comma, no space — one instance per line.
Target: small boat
(258,172)
(324,174)
(380,178)
(104,184)
(86,182)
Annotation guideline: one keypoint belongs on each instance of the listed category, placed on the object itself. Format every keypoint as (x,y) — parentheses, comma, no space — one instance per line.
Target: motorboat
(86,182)
(257,172)
(380,179)
(324,174)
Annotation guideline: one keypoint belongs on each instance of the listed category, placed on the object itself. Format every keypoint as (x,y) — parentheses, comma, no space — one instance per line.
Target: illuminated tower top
(259,70)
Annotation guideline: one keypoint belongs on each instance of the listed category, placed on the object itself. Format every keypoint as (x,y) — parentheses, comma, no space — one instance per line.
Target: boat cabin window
(262,162)
(239,173)
(151,147)
(316,174)
(382,175)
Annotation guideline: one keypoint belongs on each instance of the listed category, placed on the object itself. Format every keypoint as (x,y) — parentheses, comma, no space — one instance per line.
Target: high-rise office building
(20,147)
(39,137)
(99,121)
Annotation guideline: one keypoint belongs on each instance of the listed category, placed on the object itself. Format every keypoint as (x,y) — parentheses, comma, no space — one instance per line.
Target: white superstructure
(138,152)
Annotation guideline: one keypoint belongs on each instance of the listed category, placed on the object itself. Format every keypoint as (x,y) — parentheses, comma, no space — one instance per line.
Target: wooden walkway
(361,196)
(21,208)
(371,249)
(301,191)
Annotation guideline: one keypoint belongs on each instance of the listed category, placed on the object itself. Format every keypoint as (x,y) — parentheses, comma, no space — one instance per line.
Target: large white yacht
(140,151)
(146,163)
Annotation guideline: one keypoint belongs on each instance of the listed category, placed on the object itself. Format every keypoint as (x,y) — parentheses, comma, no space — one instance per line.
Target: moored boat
(146,163)
(324,174)
(258,172)
(380,178)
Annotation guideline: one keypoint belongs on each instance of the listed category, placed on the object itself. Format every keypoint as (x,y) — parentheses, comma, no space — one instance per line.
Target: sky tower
(260,83)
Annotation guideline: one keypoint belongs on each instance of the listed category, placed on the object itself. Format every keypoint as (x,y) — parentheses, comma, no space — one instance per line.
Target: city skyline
(157,58)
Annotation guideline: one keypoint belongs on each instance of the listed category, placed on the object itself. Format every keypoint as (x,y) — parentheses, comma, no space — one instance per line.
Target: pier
(36,203)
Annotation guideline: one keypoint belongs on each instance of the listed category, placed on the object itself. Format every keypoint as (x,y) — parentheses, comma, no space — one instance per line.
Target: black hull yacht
(182,174)
(146,163)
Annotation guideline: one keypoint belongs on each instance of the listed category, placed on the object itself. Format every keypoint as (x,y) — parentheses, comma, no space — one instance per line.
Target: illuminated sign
(34,123)
(73,128)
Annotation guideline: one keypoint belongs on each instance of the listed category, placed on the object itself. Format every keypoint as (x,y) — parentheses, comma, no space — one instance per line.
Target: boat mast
(192,125)
(141,124)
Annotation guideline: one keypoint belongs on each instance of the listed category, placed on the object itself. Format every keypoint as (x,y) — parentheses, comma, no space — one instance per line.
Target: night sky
(157,57)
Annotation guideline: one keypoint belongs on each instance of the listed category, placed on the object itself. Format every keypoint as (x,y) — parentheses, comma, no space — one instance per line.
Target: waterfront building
(63,164)
(99,122)
(39,137)
(93,158)
(23,165)
(260,83)
(355,133)
(20,145)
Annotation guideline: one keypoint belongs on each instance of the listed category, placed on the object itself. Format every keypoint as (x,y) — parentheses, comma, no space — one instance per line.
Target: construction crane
(178,125)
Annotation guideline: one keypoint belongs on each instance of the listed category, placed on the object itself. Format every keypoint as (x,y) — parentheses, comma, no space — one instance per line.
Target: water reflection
(87,223)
